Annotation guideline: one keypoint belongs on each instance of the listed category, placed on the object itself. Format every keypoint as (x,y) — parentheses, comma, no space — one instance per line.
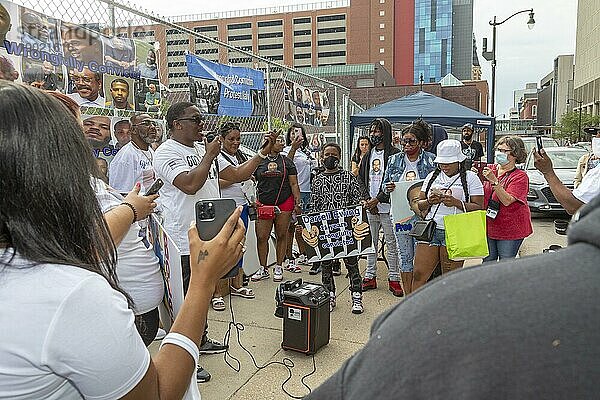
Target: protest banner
(169,259)
(226,90)
(403,203)
(336,234)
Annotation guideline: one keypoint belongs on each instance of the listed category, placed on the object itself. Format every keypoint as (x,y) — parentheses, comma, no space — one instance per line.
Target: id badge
(493,208)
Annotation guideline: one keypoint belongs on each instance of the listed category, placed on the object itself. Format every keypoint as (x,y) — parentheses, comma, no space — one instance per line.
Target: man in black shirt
(470,148)
(525,329)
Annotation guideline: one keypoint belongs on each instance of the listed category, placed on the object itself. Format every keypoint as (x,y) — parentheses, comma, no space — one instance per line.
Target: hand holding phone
(155,187)
(211,216)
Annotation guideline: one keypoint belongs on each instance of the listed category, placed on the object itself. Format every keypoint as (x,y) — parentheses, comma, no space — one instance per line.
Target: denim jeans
(384,221)
(406,247)
(500,249)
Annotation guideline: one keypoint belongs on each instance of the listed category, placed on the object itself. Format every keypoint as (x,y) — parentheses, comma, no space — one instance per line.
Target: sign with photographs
(169,260)
(225,90)
(96,71)
(305,106)
(403,202)
(336,234)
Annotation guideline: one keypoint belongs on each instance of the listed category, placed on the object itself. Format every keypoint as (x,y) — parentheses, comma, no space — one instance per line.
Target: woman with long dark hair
(447,190)
(69,328)
(362,148)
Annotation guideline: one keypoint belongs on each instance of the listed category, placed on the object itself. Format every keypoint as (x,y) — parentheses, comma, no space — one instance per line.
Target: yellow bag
(466,235)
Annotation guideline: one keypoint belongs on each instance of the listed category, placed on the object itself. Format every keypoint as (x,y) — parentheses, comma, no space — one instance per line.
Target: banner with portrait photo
(306,106)
(403,205)
(225,90)
(169,259)
(337,233)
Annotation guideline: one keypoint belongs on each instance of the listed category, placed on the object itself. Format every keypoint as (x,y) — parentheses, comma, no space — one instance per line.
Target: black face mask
(331,162)
(468,137)
(376,140)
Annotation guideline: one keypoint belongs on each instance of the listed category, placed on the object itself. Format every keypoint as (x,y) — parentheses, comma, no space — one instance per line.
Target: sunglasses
(147,123)
(197,119)
(408,141)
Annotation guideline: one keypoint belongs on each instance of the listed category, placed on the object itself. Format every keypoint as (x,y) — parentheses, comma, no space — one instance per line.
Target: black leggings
(147,325)
(351,264)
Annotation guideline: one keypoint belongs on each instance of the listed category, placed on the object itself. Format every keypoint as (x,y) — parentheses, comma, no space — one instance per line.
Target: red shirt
(512,222)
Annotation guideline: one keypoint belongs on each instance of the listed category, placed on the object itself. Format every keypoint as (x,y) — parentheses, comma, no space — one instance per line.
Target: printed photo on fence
(336,234)
(225,90)
(403,202)
(169,259)
(306,106)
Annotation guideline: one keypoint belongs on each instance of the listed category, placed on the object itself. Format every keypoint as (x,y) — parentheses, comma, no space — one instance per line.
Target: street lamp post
(579,104)
(491,55)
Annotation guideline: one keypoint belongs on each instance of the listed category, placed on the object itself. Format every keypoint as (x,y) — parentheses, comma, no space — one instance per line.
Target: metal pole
(268,98)
(111,12)
(493,99)
(579,124)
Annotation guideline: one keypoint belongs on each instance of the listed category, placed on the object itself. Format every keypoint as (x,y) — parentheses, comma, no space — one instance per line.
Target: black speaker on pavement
(305,317)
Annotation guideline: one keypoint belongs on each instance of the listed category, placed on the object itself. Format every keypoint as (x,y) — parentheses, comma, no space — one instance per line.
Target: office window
(235,38)
(382,26)
(381,38)
(302,44)
(381,1)
(270,46)
(337,17)
(382,62)
(303,32)
(421,40)
(381,50)
(270,35)
(382,13)
(433,15)
(176,42)
(239,26)
(331,42)
(302,56)
(331,30)
(270,23)
(143,34)
(302,20)
(332,53)
(212,28)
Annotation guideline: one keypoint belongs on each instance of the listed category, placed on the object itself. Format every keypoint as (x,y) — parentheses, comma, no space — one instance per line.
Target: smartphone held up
(211,216)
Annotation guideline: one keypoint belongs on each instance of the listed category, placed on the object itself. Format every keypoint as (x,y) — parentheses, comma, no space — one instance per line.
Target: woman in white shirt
(69,328)
(449,189)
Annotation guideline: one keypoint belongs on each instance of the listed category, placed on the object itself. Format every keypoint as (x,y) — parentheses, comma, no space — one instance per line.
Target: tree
(568,125)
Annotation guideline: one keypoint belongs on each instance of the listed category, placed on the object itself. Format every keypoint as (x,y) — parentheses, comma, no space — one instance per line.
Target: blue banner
(225,90)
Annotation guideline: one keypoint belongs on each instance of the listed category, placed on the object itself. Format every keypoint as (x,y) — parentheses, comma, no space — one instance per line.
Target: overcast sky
(523,55)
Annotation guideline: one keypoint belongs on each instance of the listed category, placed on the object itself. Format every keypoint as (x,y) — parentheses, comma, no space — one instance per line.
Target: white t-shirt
(589,187)
(66,335)
(411,172)
(304,165)
(171,159)
(233,191)
(376,176)
(131,165)
(137,265)
(454,184)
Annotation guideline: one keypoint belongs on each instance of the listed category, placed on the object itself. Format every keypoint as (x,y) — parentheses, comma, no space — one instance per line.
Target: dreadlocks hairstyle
(386,131)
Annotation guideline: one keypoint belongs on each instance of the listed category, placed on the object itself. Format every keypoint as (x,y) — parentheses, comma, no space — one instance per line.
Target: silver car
(564,161)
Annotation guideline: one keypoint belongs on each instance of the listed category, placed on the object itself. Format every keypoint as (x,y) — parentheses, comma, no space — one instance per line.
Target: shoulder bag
(268,212)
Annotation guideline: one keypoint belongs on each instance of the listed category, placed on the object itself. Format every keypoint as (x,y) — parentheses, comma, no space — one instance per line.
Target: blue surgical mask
(501,158)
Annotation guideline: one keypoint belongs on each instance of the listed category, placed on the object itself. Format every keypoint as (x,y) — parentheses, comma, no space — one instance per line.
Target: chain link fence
(289,95)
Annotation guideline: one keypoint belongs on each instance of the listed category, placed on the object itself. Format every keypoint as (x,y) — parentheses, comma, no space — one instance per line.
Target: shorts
(439,238)
(287,205)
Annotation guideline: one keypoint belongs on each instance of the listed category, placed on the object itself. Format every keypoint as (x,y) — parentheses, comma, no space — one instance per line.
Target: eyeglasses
(408,141)
(147,123)
(197,119)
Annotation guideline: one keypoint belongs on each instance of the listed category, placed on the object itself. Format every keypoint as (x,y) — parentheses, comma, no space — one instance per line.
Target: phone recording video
(155,187)
(211,216)
(539,143)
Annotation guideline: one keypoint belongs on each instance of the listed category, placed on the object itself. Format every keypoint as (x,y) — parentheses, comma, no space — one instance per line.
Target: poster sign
(226,90)
(403,205)
(169,259)
(305,106)
(336,234)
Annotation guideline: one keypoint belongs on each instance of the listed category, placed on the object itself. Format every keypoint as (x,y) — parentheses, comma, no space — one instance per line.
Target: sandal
(244,292)
(218,304)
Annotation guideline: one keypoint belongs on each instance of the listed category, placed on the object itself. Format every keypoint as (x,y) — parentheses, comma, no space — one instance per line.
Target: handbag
(268,212)
(466,235)
(423,230)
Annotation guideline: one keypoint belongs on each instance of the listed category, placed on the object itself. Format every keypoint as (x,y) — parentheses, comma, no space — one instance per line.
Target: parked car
(564,160)
(584,145)
(529,142)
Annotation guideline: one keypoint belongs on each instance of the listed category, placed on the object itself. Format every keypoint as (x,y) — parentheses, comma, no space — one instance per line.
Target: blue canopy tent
(432,109)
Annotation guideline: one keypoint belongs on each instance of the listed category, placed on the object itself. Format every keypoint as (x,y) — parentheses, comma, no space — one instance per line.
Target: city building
(555,93)
(587,56)
(409,38)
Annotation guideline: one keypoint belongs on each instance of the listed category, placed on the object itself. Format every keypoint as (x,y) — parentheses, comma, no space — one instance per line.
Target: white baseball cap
(449,151)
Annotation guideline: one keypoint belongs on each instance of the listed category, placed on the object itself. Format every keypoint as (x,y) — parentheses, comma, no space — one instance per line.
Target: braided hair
(462,170)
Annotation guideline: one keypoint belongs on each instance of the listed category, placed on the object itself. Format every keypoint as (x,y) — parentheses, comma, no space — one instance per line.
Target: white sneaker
(331,301)
(261,274)
(357,306)
(292,267)
(278,274)
(302,260)
(160,334)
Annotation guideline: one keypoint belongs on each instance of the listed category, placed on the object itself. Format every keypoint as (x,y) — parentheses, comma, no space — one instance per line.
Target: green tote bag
(466,235)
